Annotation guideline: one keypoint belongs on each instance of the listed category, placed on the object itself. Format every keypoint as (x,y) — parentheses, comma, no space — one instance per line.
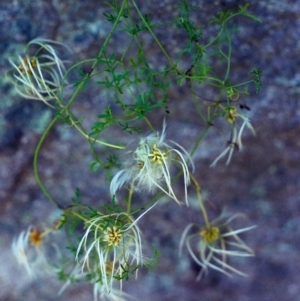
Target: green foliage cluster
(104,243)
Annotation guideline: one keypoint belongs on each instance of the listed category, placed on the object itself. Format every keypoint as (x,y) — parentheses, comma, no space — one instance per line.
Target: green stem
(198,191)
(149,123)
(85,135)
(35,163)
(129,200)
(73,97)
(227,57)
(155,38)
(200,139)
(197,104)
(79,216)
(243,84)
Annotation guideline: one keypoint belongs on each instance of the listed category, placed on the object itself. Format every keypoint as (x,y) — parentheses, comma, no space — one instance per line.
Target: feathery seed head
(236,136)
(211,246)
(152,165)
(111,244)
(210,233)
(40,72)
(29,251)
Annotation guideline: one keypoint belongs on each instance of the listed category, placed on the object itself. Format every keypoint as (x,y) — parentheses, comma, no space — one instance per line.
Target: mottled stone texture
(261,181)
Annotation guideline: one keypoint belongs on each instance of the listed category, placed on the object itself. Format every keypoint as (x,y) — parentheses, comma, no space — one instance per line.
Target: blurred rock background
(263,180)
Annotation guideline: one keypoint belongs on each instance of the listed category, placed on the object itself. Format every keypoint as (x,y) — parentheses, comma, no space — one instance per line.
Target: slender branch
(66,108)
(198,191)
(155,38)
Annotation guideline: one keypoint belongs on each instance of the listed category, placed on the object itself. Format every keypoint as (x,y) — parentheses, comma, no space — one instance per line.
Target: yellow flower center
(113,236)
(157,155)
(35,237)
(210,234)
(231,115)
(24,68)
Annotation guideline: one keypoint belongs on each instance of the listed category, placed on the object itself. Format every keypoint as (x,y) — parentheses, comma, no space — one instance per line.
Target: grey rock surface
(263,180)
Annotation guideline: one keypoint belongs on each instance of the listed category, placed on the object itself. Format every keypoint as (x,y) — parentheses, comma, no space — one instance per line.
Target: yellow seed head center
(210,234)
(113,236)
(27,62)
(231,115)
(157,155)
(35,237)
